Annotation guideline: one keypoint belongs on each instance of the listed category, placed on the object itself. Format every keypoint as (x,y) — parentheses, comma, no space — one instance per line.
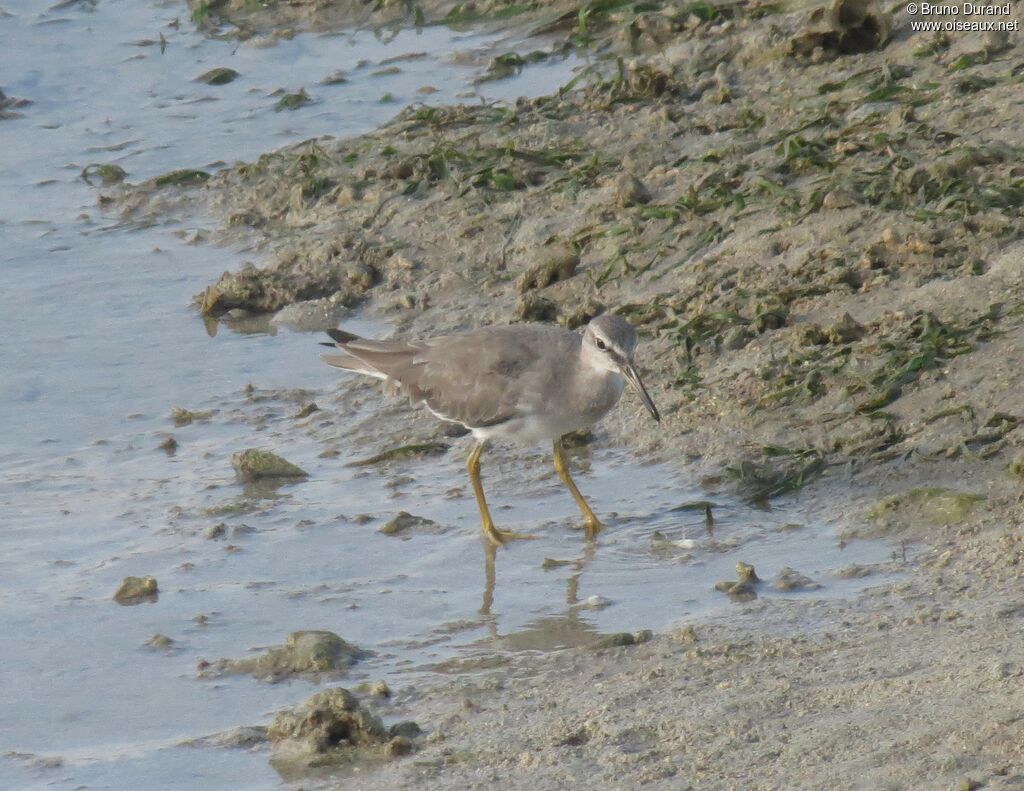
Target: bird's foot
(499,537)
(592,525)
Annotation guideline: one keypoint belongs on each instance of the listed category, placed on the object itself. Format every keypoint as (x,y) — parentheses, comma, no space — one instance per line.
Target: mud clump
(560,265)
(789,580)
(399,746)
(257,464)
(404,522)
(332,728)
(7,105)
(137,590)
(293,101)
(105,174)
(844,28)
(186,417)
(160,642)
(630,191)
(308,654)
(622,639)
(270,290)
(744,587)
(533,307)
(218,76)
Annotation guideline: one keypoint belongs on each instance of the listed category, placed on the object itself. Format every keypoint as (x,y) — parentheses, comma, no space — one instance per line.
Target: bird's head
(608,345)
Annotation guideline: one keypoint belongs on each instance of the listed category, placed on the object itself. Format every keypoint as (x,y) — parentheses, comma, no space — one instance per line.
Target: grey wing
(480,378)
(495,374)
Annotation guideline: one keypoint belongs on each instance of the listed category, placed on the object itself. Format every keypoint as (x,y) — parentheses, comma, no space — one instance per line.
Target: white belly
(547,423)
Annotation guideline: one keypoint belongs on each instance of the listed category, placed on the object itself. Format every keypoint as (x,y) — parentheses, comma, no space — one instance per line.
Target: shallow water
(98,342)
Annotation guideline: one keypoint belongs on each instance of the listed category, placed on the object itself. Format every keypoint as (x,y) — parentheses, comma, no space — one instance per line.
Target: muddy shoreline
(823,252)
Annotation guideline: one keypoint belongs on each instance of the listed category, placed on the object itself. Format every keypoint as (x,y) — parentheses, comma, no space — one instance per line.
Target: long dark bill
(633,378)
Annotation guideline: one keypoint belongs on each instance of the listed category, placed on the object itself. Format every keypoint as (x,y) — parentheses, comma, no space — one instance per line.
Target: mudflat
(817,231)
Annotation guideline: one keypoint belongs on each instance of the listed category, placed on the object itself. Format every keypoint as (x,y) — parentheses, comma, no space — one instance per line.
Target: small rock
(255,464)
(454,430)
(380,690)
(853,571)
(185,417)
(744,587)
(293,101)
(308,653)
(136,590)
(595,603)
(406,728)
(630,191)
(220,76)
(403,521)
(739,591)
(334,78)
(160,641)
(622,639)
(399,746)
(745,573)
(791,580)
(217,531)
(329,725)
(1017,465)
(169,446)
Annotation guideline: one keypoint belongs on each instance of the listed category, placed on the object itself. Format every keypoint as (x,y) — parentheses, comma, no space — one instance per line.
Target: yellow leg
(590,521)
(495,536)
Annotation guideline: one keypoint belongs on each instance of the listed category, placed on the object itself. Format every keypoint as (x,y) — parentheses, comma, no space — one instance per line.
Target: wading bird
(522,382)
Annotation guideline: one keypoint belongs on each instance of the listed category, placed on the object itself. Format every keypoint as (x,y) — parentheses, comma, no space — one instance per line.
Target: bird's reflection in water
(549,632)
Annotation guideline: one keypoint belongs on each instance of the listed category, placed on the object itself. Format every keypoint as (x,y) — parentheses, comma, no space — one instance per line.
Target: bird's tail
(387,360)
(346,361)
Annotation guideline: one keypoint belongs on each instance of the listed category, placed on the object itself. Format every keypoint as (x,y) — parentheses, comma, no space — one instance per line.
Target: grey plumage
(529,377)
(500,371)
(524,382)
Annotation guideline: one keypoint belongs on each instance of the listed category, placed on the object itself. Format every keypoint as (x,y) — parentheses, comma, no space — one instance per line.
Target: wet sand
(823,256)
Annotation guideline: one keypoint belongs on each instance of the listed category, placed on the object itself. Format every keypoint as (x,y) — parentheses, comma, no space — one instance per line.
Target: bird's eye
(600,345)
